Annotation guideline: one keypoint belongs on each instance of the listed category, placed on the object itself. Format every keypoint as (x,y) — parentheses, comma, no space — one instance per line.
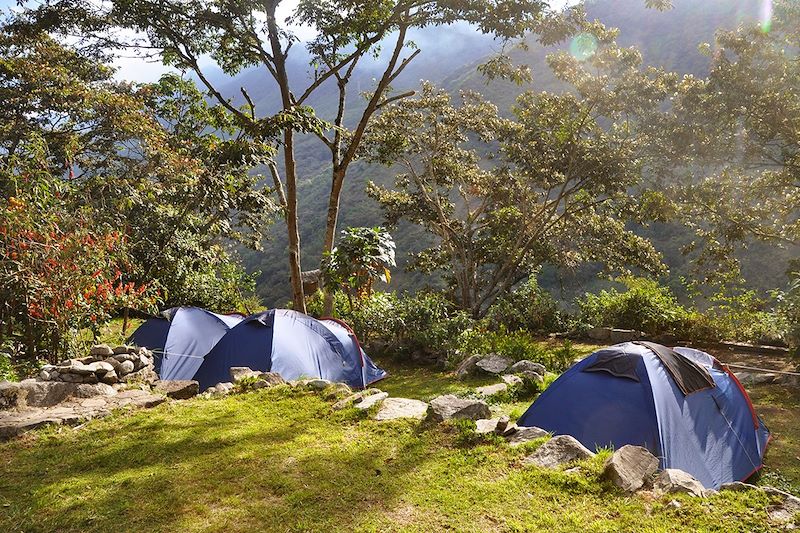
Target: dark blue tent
(292,344)
(181,337)
(683,405)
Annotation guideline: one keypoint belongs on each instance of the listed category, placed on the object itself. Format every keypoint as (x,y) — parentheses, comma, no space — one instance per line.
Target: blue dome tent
(681,404)
(292,344)
(181,337)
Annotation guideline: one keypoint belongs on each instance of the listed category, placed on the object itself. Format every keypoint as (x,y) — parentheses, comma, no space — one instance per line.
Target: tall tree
(240,34)
(552,185)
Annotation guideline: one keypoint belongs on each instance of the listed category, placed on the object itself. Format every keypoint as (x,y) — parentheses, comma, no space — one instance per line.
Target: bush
(527,307)
(644,305)
(789,310)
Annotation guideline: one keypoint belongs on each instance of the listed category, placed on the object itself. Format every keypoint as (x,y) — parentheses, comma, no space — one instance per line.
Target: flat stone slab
(449,406)
(178,389)
(393,408)
(486,425)
(373,399)
(523,434)
(491,390)
(73,412)
(494,364)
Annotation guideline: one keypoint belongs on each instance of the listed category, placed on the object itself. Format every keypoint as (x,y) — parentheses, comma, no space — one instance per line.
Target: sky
(134,68)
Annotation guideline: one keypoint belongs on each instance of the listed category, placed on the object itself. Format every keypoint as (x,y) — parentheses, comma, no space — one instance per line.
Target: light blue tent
(292,344)
(181,337)
(683,405)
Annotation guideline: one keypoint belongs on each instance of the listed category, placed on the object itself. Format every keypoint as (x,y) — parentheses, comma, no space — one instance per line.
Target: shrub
(789,310)
(527,307)
(644,305)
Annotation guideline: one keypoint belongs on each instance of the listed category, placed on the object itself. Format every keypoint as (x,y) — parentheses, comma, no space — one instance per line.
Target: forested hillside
(449,59)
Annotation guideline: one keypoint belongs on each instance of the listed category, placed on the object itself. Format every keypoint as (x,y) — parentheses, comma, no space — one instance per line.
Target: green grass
(779,407)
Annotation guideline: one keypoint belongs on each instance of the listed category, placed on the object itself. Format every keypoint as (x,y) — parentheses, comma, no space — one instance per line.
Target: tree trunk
(125,317)
(298,298)
(330,228)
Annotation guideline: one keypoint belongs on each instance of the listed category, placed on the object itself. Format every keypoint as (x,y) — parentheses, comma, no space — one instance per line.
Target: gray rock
(124,349)
(238,373)
(110,378)
(354,398)
(486,425)
(511,380)
(101,368)
(786,508)
(81,369)
(86,390)
(125,367)
(557,451)
(491,390)
(502,424)
(523,434)
(757,378)
(393,408)
(527,366)
(737,486)
(624,335)
(122,357)
(317,384)
(145,375)
(449,406)
(90,378)
(102,350)
(599,334)
(467,366)
(494,364)
(630,467)
(12,395)
(70,378)
(672,480)
(271,378)
(178,389)
(369,401)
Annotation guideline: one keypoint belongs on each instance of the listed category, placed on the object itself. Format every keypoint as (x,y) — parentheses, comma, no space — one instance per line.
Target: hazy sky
(138,69)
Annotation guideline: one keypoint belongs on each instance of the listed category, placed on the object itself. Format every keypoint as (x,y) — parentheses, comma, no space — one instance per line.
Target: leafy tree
(505,196)
(155,162)
(61,269)
(240,34)
(362,256)
(730,148)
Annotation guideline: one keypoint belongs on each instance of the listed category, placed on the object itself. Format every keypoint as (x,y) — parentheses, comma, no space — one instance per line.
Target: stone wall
(123,364)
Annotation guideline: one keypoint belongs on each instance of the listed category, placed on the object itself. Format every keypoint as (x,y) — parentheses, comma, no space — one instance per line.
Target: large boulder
(630,467)
(467,366)
(599,334)
(557,451)
(786,508)
(624,335)
(494,364)
(672,480)
(178,389)
(527,366)
(393,408)
(449,406)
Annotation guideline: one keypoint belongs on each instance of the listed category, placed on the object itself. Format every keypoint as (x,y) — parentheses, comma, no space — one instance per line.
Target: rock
(101,368)
(122,357)
(485,426)
(672,480)
(630,467)
(527,366)
(145,375)
(12,395)
(491,390)
(624,335)
(757,378)
(737,486)
(124,349)
(102,350)
(523,434)
(46,374)
(90,378)
(467,366)
(239,373)
(271,378)
(317,384)
(89,391)
(787,507)
(494,364)
(369,401)
(449,406)
(393,408)
(337,390)
(502,424)
(220,389)
(557,451)
(353,398)
(511,380)
(76,367)
(178,389)
(599,334)
(665,339)
(674,504)
(125,367)
(531,376)
(110,378)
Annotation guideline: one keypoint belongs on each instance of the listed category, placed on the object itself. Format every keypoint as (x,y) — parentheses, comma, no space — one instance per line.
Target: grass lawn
(283,460)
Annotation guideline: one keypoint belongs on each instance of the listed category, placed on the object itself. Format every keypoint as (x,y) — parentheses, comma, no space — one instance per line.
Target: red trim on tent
(744,393)
(759,467)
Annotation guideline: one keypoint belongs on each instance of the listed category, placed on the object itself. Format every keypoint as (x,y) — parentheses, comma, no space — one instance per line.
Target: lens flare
(583,46)
(765,16)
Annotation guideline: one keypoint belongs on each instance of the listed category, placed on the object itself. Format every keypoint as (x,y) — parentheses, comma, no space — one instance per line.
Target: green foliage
(789,308)
(527,307)
(643,305)
(362,256)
